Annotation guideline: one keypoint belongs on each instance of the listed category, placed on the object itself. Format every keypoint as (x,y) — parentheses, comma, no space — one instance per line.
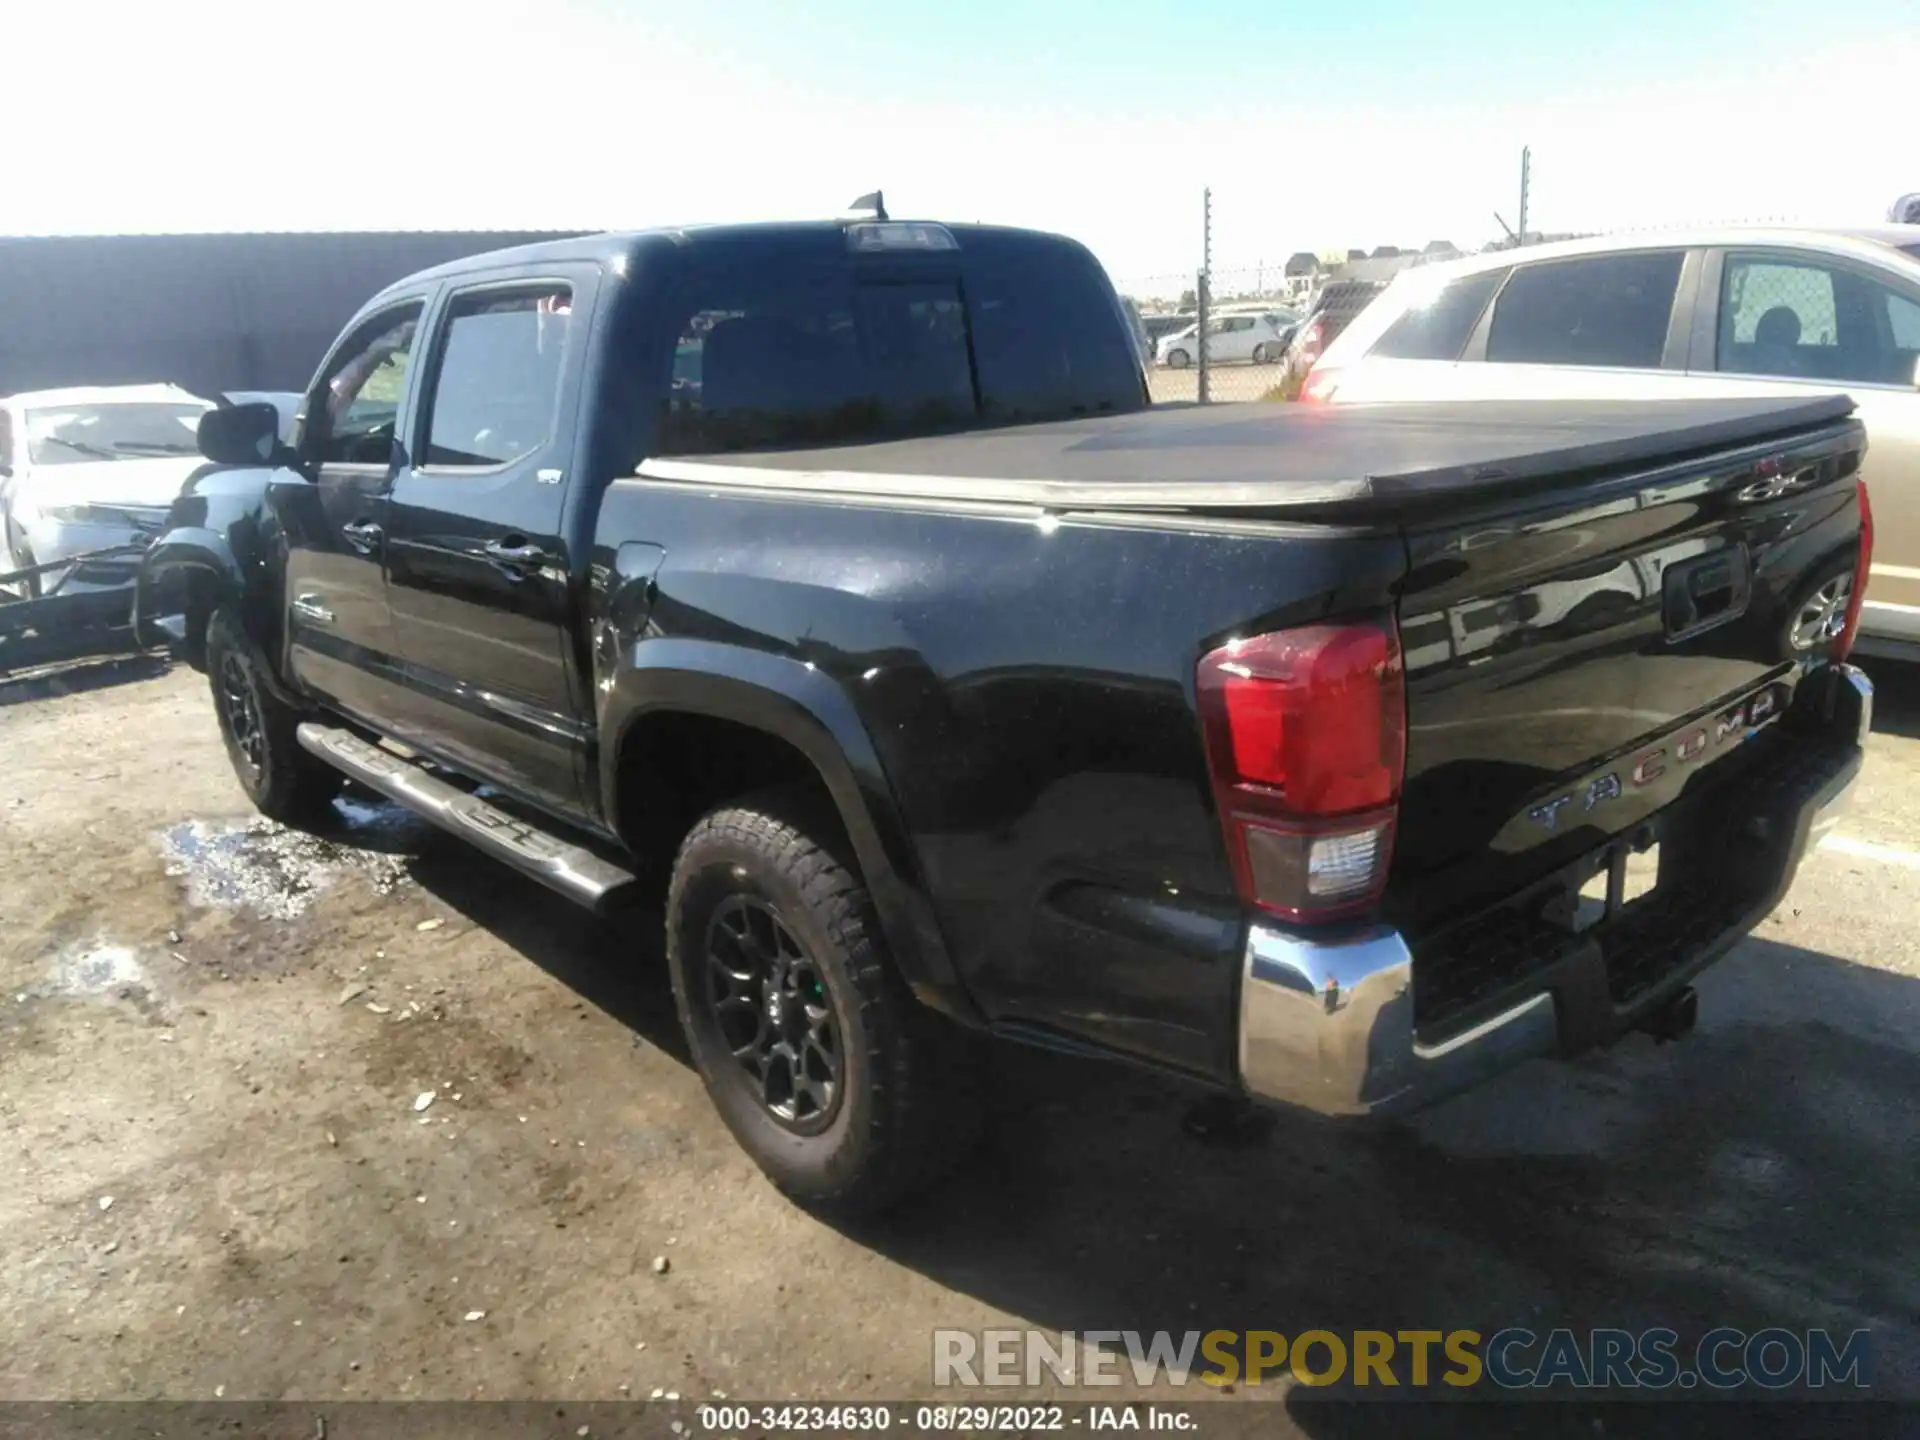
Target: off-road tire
(284,782)
(908,1106)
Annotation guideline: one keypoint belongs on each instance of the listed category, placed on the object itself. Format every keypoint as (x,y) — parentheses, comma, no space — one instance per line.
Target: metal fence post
(1201,291)
(1200,295)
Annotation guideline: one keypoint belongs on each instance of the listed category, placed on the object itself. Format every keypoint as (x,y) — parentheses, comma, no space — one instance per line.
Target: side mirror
(240,434)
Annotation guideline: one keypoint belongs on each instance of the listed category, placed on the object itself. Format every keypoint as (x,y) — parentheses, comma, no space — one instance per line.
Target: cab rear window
(784,351)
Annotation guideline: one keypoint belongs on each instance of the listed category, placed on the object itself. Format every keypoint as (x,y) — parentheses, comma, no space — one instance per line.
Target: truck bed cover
(1374,460)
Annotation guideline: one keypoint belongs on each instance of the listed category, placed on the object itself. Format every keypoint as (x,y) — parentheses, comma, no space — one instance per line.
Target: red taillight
(1306,742)
(1843,642)
(1320,384)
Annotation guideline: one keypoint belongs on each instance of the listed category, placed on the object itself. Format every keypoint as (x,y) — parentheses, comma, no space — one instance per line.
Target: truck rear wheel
(843,1088)
(284,782)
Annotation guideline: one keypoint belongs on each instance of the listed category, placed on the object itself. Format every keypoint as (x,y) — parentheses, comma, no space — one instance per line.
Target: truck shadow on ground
(616,965)
(1759,1173)
(1745,1176)
(1742,1177)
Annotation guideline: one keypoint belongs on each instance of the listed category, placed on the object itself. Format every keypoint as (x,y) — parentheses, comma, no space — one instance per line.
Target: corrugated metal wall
(210,312)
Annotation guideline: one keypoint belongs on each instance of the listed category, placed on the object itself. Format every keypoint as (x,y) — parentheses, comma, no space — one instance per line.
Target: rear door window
(498,380)
(1903,321)
(1804,318)
(1610,310)
(1439,328)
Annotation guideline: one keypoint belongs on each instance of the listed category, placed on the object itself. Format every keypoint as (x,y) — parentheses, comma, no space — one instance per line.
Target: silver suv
(1720,312)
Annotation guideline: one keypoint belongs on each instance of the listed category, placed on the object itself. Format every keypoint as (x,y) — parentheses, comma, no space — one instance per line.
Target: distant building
(207,312)
(1302,277)
(1376,267)
(1305,273)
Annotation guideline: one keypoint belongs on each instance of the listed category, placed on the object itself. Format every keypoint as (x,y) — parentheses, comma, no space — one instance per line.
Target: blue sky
(1317,127)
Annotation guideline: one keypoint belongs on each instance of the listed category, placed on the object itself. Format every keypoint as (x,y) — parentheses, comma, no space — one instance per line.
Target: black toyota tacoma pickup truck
(835,586)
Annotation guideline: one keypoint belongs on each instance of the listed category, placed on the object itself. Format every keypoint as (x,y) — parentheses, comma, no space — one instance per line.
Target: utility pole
(1205,289)
(1526,176)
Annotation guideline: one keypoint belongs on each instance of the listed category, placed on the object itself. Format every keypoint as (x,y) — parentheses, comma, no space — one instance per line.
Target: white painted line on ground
(1866,850)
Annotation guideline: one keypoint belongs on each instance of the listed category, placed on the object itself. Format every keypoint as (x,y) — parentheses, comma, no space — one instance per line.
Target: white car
(1751,311)
(1257,338)
(86,469)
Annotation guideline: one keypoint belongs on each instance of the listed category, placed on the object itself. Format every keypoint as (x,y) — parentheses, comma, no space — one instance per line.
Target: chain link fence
(1250,320)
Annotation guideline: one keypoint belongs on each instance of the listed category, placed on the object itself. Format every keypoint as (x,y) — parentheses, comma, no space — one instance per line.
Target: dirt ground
(1228,381)
(217,1178)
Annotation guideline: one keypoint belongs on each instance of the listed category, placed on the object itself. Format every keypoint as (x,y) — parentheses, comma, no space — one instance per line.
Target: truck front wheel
(284,782)
(843,1088)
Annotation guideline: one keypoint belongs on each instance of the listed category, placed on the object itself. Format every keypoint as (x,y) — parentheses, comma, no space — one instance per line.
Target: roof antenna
(871,202)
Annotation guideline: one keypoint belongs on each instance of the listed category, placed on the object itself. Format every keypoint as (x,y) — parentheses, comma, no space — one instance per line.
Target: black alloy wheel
(775,1014)
(240,708)
(847,1092)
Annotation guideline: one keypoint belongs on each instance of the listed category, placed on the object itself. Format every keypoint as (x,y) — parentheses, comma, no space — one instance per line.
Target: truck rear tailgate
(1579,659)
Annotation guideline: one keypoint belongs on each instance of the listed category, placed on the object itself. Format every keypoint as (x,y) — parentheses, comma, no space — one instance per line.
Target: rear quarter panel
(1027,686)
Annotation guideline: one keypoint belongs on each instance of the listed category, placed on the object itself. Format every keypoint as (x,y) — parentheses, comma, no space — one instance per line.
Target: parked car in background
(1333,309)
(88,469)
(1259,339)
(1138,325)
(1161,326)
(1752,311)
(1278,313)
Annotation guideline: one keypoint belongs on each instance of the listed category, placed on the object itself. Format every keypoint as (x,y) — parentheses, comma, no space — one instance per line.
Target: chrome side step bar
(576,872)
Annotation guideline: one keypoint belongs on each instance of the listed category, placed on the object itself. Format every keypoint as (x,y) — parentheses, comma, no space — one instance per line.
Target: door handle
(361,534)
(309,607)
(1706,591)
(521,556)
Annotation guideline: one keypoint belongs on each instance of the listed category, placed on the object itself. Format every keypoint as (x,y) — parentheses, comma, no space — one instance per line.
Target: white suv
(1724,312)
(1261,339)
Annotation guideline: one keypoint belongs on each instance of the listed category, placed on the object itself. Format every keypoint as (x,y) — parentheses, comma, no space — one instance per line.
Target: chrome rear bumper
(1328,1025)
(1329,1028)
